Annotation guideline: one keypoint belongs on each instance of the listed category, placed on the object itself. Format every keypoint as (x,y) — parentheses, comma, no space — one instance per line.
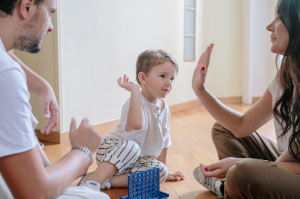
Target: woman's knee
(217,131)
(243,174)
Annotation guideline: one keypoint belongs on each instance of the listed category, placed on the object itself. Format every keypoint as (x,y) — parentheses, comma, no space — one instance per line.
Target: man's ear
(26,8)
(142,77)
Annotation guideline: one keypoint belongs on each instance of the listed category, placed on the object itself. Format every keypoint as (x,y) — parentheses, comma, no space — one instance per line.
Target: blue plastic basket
(144,185)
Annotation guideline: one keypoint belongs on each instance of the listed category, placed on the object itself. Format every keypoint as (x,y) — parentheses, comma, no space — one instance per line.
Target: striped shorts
(124,154)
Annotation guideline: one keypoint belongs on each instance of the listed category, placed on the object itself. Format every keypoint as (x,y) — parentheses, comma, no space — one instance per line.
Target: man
(23,165)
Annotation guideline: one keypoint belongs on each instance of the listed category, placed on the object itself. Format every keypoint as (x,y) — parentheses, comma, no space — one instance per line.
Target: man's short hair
(7,6)
(150,58)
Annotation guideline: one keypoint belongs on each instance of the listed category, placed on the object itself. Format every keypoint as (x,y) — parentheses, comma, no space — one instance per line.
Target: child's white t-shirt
(155,134)
(276,92)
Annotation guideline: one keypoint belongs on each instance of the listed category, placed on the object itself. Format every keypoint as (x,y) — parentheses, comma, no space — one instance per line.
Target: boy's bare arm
(135,117)
(172,175)
(163,156)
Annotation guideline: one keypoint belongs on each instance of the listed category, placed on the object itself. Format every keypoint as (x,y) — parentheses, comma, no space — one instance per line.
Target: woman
(252,166)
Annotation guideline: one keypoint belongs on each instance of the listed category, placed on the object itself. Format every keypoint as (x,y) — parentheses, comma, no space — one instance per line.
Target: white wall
(100,41)
(223,26)
(259,62)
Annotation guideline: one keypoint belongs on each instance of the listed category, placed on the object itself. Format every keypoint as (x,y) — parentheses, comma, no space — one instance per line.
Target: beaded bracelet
(84,149)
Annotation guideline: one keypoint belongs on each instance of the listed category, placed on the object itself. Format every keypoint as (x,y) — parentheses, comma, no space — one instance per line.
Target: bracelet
(84,149)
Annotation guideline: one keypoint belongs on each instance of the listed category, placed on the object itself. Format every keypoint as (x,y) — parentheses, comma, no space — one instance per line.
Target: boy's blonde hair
(150,58)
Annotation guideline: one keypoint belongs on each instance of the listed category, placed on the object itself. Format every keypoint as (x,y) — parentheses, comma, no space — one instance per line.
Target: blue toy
(145,185)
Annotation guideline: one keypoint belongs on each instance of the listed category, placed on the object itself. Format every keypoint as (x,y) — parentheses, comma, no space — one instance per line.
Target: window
(189,30)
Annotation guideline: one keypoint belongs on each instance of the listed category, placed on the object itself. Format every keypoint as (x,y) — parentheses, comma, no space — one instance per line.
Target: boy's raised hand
(201,69)
(175,176)
(128,85)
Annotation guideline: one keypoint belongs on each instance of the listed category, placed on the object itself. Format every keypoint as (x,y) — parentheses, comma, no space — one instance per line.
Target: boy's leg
(114,155)
(120,180)
(104,171)
(142,164)
(252,146)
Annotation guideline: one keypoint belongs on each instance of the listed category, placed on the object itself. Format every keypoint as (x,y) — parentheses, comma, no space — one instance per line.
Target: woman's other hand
(201,69)
(219,169)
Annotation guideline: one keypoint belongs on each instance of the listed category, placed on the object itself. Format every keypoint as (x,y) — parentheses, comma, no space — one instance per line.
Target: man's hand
(175,176)
(50,108)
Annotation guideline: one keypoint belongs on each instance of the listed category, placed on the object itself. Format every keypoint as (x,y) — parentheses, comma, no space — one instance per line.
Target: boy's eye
(162,76)
(172,79)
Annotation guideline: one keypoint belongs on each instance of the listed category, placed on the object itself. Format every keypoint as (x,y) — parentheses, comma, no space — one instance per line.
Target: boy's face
(159,79)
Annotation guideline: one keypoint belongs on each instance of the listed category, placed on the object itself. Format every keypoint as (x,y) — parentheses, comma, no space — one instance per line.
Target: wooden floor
(192,145)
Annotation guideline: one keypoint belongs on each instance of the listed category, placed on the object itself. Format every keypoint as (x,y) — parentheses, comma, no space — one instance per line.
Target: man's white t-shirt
(16,119)
(276,92)
(155,134)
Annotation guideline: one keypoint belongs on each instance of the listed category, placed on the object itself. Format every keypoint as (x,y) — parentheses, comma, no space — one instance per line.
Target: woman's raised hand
(201,69)
(128,85)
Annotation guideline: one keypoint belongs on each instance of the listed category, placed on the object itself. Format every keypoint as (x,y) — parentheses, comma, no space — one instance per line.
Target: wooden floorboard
(191,145)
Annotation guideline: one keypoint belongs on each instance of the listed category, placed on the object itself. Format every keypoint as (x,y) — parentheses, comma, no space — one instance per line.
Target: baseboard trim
(53,136)
(56,137)
(184,106)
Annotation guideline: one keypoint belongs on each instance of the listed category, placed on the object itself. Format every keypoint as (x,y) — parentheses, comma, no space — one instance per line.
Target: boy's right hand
(84,135)
(128,85)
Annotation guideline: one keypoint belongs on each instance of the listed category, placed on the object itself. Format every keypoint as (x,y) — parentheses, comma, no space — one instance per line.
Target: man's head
(30,21)
(7,6)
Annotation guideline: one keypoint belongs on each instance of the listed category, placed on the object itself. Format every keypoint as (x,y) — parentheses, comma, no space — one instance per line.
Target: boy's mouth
(166,90)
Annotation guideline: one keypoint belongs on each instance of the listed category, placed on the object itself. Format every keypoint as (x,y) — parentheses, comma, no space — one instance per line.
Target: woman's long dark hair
(287,107)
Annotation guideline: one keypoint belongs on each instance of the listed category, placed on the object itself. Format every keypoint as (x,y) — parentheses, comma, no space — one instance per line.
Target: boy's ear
(26,8)
(142,77)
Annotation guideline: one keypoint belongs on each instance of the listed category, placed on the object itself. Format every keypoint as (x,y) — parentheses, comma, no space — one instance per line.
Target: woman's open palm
(201,69)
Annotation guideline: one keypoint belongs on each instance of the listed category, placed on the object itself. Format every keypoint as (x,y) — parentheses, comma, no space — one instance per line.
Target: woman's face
(279,36)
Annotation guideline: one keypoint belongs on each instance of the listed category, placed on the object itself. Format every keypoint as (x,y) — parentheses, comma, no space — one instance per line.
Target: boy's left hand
(175,176)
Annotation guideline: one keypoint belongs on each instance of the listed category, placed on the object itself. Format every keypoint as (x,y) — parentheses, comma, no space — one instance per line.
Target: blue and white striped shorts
(124,154)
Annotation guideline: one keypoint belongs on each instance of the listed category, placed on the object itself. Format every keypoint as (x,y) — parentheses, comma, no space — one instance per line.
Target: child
(142,137)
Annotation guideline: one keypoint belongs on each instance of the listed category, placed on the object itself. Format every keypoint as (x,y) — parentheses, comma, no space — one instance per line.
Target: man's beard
(27,44)
(28,40)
